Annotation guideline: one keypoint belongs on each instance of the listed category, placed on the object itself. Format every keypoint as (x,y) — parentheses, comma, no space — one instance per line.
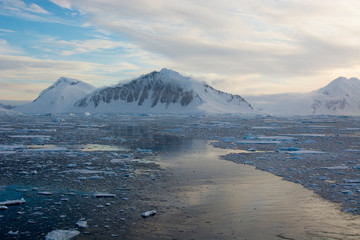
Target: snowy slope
(58,98)
(339,97)
(6,106)
(8,112)
(163,92)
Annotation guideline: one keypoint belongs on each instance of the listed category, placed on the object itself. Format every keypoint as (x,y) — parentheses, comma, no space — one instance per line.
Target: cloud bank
(239,46)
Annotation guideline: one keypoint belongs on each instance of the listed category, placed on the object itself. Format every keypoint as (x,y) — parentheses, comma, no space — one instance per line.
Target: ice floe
(61,234)
(82,224)
(104,195)
(148,213)
(12,202)
(340,167)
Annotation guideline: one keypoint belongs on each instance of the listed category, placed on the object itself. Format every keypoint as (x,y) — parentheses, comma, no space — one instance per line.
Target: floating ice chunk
(104,195)
(61,234)
(96,177)
(323,178)
(12,202)
(144,150)
(307,152)
(148,213)
(264,127)
(352,180)
(45,193)
(296,151)
(82,224)
(110,173)
(340,167)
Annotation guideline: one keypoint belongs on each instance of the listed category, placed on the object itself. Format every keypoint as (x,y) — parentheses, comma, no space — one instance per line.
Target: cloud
(6,30)
(277,38)
(31,11)
(110,53)
(90,45)
(5,48)
(20,8)
(250,45)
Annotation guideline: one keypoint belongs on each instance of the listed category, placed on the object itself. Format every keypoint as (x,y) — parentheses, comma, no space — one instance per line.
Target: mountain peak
(341,86)
(164,91)
(58,97)
(65,80)
(171,77)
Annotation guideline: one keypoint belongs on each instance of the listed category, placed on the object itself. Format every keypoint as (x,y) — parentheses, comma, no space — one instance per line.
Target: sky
(238,46)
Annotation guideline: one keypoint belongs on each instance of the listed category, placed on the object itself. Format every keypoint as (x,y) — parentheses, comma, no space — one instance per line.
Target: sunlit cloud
(272,38)
(21,9)
(238,46)
(20,6)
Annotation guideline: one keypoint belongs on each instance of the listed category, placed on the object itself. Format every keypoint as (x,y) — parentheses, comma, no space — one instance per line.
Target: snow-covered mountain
(163,92)
(339,97)
(58,98)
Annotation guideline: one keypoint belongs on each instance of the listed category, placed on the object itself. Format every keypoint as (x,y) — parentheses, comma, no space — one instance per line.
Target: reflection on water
(237,201)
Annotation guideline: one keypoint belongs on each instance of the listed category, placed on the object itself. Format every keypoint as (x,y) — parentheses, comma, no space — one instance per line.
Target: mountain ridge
(57,98)
(340,97)
(164,91)
(167,91)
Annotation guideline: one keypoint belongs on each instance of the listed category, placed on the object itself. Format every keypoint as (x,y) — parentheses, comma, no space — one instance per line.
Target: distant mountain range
(168,91)
(339,97)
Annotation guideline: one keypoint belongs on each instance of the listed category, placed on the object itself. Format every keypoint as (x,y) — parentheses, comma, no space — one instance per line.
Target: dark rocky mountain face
(164,91)
(148,87)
